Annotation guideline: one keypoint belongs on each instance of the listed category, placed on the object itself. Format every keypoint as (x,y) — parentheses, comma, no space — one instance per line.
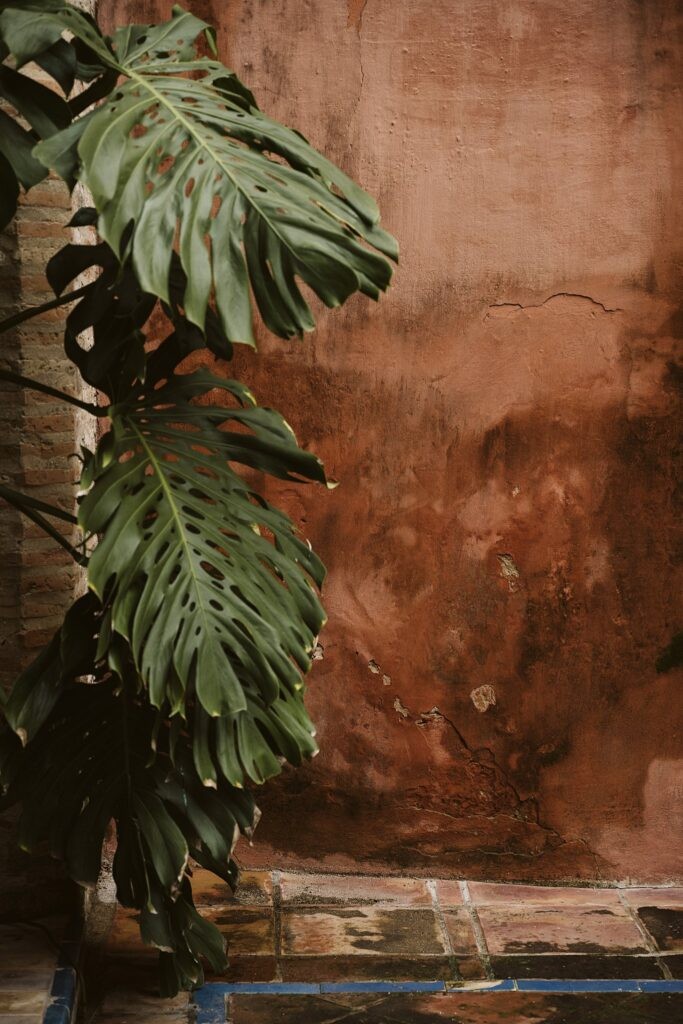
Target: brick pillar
(39,440)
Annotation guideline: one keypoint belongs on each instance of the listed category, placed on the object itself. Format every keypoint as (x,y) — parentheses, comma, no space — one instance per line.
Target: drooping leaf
(193,583)
(189,158)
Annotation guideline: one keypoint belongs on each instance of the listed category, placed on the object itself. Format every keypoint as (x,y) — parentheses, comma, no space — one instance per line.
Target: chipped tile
(246,929)
(534,929)
(375,930)
(352,890)
(489,893)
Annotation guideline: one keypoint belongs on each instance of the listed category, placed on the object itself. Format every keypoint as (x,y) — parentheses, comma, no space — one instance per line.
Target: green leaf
(9,191)
(193,582)
(32,26)
(169,153)
(17,149)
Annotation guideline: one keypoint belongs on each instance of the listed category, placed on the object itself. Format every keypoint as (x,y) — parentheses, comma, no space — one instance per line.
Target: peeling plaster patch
(386,680)
(516,491)
(318,652)
(401,708)
(374,667)
(483,698)
(356,10)
(509,571)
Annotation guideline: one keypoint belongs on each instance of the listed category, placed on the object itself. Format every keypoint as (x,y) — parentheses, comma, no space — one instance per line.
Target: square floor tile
(352,890)
(246,968)
(26,1001)
(247,930)
(536,929)
(459,927)
(485,894)
(254,889)
(384,931)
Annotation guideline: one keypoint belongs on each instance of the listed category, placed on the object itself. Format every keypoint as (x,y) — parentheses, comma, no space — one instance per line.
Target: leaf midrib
(179,524)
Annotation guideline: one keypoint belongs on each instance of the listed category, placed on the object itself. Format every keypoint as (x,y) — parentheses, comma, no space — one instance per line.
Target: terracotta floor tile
(557,965)
(352,890)
(458,1008)
(246,968)
(459,928)
(26,1001)
(124,938)
(246,929)
(376,930)
(448,892)
(665,925)
(532,929)
(25,947)
(485,894)
(366,968)
(675,965)
(254,889)
(28,979)
(668,897)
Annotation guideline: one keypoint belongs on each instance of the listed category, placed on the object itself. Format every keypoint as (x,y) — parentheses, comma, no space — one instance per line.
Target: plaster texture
(502,545)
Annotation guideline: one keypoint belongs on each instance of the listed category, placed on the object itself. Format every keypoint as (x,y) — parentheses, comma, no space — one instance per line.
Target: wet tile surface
(293,928)
(479,1008)
(665,925)
(576,966)
(247,930)
(370,968)
(532,928)
(366,929)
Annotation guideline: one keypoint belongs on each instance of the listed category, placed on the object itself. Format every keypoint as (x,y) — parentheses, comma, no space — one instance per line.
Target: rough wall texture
(502,546)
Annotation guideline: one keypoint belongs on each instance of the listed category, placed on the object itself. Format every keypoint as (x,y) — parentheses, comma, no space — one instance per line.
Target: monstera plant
(176,682)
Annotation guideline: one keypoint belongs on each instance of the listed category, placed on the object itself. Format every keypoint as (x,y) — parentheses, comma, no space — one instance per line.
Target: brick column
(39,440)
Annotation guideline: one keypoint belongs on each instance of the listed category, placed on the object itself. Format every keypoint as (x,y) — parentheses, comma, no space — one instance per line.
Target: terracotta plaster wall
(502,545)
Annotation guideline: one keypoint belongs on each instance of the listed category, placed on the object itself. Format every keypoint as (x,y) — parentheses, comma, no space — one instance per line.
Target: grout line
(645,935)
(479,936)
(277,921)
(441,919)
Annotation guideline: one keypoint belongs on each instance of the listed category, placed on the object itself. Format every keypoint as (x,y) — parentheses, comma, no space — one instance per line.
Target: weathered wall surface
(502,545)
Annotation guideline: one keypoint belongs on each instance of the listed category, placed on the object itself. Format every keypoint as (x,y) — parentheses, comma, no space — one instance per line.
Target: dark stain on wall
(503,548)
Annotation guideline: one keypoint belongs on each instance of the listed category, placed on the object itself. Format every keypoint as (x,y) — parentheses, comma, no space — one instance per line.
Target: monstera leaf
(99,753)
(207,602)
(177,680)
(187,158)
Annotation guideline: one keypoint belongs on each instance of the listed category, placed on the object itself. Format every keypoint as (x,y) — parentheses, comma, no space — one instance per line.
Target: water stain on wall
(504,428)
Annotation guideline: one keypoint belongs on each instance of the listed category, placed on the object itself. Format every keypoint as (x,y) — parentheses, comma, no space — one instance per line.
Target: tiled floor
(291,928)
(28,957)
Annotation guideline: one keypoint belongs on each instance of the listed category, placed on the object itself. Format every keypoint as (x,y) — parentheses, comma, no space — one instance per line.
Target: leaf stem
(35,385)
(29,507)
(27,314)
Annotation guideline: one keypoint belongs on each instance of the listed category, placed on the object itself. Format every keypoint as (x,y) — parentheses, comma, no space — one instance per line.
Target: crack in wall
(518,306)
(530,804)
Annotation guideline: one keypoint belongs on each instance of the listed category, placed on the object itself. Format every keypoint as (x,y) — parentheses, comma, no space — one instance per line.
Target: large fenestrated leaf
(188,161)
(100,753)
(207,602)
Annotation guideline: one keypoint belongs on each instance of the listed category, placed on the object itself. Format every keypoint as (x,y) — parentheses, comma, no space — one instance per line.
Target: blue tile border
(210,1000)
(64,988)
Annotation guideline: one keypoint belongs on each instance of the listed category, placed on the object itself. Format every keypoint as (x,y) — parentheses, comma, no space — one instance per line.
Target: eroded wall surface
(502,545)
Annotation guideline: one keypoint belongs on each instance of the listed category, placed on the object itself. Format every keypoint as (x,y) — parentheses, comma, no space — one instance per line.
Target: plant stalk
(35,385)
